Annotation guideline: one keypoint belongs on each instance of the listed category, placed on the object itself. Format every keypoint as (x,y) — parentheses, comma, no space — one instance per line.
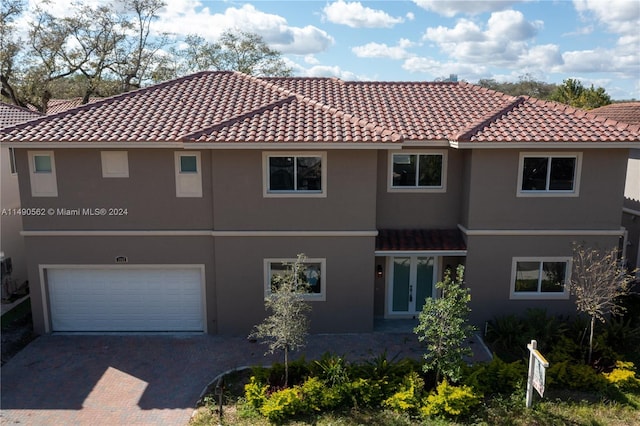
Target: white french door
(411,281)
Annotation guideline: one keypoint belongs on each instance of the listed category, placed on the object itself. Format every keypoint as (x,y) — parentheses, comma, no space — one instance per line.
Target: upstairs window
(188,175)
(549,174)
(295,174)
(540,278)
(418,171)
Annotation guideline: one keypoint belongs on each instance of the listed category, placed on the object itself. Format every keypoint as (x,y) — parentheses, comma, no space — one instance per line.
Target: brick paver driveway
(143,379)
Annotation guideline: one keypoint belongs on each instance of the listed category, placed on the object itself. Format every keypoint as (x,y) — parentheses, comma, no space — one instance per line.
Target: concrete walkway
(149,379)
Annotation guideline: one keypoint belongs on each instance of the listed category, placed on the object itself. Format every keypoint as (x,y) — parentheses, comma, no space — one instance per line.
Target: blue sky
(595,41)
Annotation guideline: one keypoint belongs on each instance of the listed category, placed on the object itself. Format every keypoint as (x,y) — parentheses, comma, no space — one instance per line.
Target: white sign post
(537,370)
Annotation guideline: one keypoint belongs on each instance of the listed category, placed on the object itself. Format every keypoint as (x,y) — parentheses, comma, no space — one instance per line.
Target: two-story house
(171,207)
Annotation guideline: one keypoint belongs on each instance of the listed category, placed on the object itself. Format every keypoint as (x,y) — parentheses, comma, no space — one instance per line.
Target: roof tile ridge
(237,118)
(468,132)
(352,118)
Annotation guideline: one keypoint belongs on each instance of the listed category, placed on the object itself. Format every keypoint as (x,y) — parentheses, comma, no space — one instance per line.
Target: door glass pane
(424,281)
(309,173)
(188,164)
(404,170)
(562,174)
(430,170)
(42,163)
(534,174)
(281,173)
(401,268)
(553,277)
(527,274)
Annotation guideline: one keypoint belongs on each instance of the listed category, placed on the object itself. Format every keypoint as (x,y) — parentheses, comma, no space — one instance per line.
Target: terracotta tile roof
(11,115)
(419,240)
(55,106)
(230,107)
(626,112)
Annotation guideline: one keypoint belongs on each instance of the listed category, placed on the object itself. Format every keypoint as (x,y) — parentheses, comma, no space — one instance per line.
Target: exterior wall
(103,250)
(11,242)
(488,271)
(349,281)
(418,210)
(239,204)
(493,184)
(148,194)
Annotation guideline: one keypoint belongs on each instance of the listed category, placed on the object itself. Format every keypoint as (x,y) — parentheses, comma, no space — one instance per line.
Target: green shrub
(332,369)
(282,405)
(335,396)
(505,334)
(366,392)
(450,401)
(497,376)
(312,394)
(408,397)
(571,375)
(255,392)
(624,377)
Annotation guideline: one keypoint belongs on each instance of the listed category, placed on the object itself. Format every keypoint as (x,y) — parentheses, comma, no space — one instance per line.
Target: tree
(287,327)
(597,282)
(525,86)
(234,51)
(9,47)
(443,326)
(573,93)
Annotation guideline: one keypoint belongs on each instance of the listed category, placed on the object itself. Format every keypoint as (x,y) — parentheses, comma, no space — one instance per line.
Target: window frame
(42,178)
(539,294)
(433,189)
(192,180)
(575,192)
(309,297)
(109,159)
(266,176)
(13,166)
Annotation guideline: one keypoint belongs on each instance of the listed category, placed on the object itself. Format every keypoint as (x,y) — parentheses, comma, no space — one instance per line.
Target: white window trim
(537,295)
(549,193)
(433,189)
(108,158)
(195,190)
(293,194)
(51,176)
(311,297)
(13,167)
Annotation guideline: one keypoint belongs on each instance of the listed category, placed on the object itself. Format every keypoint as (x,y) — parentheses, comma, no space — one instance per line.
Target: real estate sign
(537,369)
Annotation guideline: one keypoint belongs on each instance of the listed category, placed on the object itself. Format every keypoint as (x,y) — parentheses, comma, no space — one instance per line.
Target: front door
(411,281)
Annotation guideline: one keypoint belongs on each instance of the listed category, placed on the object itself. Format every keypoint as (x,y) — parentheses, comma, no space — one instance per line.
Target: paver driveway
(142,379)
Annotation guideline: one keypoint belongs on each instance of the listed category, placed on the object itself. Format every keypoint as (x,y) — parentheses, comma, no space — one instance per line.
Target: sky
(594,41)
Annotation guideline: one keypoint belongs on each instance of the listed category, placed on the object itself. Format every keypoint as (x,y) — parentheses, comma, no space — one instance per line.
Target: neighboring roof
(626,112)
(230,107)
(11,115)
(55,106)
(420,240)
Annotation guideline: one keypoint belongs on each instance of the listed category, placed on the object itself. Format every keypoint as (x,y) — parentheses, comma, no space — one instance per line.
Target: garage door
(126,299)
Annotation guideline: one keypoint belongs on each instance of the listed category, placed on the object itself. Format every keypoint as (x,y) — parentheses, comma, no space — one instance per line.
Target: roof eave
(543,145)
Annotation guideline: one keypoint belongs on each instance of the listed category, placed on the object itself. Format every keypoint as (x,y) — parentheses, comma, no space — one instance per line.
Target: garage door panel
(127,299)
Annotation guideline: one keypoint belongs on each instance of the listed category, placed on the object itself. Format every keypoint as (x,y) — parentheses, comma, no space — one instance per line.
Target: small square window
(422,172)
(42,164)
(188,164)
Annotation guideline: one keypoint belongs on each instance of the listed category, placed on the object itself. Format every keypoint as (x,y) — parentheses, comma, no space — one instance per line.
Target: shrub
(497,376)
(569,375)
(366,392)
(624,377)
(312,394)
(255,392)
(332,369)
(450,401)
(408,397)
(282,404)
(506,336)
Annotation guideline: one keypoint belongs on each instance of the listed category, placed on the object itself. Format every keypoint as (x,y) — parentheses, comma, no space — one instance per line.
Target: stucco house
(629,112)
(171,207)
(11,242)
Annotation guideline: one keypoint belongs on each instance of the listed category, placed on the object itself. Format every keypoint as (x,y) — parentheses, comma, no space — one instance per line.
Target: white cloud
(355,15)
(540,57)
(184,17)
(620,16)
(311,60)
(504,40)
(382,50)
(455,7)
(410,16)
(436,69)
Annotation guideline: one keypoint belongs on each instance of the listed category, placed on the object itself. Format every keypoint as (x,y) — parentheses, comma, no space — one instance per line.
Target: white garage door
(126,299)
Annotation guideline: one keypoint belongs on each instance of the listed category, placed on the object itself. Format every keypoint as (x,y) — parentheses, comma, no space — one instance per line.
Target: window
(12,161)
(418,172)
(42,173)
(115,164)
(540,278)
(295,174)
(312,278)
(188,174)
(542,174)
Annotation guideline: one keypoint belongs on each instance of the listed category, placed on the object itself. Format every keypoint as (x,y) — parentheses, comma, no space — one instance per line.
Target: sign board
(537,369)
